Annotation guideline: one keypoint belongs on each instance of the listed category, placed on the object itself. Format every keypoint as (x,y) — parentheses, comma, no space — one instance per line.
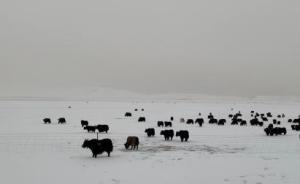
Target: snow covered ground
(34,153)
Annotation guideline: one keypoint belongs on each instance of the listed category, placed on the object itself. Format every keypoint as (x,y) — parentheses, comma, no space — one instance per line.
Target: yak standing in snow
(183,134)
(128,114)
(102,128)
(47,121)
(168,124)
(62,121)
(90,128)
(190,121)
(99,146)
(160,123)
(199,121)
(168,134)
(84,123)
(133,142)
(150,132)
(142,119)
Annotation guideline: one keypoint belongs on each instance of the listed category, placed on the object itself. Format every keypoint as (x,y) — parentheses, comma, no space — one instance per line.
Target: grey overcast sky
(223,47)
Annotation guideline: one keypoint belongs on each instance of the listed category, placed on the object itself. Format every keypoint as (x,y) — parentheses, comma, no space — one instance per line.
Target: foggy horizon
(214,47)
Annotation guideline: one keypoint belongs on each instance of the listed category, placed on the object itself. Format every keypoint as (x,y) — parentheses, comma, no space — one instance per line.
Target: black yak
(160,123)
(133,142)
(168,134)
(213,121)
(128,114)
(255,122)
(84,123)
(183,134)
(150,132)
(199,121)
(296,120)
(269,115)
(141,119)
(234,121)
(102,128)
(99,146)
(171,118)
(243,123)
(190,121)
(270,130)
(47,121)
(221,121)
(62,121)
(295,127)
(90,128)
(168,124)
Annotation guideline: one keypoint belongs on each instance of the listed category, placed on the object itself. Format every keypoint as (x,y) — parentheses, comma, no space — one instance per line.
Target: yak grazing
(133,142)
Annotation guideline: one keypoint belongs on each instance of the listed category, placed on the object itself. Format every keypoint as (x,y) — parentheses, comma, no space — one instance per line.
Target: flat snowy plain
(34,153)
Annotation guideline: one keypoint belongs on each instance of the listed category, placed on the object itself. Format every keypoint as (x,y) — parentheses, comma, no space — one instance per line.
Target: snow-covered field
(31,152)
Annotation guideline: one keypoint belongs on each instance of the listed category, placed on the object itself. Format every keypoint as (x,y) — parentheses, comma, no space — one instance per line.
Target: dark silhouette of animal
(168,124)
(99,146)
(171,118)
(295,127)
(296,120)
(221,121)
(90,128)
(128,114)
(210,116)
(160,123)
(290,120)
(84,123)
(150,132)
(102,128)
(183,134)
(132,142)
(142,109)
(269,115)
(255,122)
(47,121)
(182,120)
(213,121)
(135,109)
(141,119)
(199,121)
(168,134)
(270,130)
(276,122)
(243,123)
(230,115)
(234,121)
(264,118)
(62,121)
(190,121)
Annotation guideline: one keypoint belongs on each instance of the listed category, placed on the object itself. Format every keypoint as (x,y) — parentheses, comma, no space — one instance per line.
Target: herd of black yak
(235,119)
